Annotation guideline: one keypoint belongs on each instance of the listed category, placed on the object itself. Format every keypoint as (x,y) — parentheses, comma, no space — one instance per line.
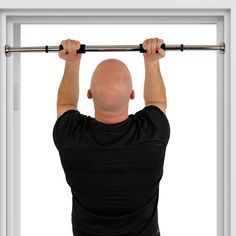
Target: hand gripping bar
(112,48)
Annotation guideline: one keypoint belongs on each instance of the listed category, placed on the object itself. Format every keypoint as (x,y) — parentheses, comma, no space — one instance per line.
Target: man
(113,162)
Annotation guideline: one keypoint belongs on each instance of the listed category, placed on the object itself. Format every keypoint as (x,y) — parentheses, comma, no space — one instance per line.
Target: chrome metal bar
(182,47)
(113,48)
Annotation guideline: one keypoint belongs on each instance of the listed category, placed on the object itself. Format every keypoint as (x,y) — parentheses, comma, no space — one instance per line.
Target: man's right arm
(68,92)
(154,87)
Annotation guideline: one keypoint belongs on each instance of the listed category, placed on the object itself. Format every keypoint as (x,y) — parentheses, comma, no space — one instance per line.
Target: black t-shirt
(113,171)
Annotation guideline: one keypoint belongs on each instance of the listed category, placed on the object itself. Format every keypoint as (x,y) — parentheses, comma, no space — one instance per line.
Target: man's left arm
(68,92)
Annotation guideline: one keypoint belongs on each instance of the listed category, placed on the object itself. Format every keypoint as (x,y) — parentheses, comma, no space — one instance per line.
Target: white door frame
(10,21)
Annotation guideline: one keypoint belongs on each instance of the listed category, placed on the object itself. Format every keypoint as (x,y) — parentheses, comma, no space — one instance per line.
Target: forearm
(154,87)
(68,92)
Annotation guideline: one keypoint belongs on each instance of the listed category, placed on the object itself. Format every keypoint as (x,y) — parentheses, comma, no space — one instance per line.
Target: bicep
(63,108)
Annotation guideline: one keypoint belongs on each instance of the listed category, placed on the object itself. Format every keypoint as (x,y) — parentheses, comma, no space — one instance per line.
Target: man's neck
(111,118)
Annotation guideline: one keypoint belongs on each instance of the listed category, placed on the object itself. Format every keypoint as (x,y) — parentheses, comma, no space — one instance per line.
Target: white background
(187,203)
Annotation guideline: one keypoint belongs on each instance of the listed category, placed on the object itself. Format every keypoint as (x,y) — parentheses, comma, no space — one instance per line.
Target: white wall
(116,4)
(189,119)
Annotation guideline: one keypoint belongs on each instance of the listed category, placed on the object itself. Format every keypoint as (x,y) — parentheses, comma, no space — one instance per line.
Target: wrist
(74,63)
(152,64)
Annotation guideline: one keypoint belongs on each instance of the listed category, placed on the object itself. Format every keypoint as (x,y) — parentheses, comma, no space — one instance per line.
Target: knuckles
(70,45)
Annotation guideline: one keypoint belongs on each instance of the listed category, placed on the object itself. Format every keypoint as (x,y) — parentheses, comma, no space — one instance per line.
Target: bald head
(111,86)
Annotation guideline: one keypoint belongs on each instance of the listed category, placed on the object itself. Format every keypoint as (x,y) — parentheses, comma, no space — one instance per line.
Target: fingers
(70,46)
(153,46)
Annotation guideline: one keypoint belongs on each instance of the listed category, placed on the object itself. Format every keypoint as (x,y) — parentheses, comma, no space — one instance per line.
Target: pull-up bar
(114,48)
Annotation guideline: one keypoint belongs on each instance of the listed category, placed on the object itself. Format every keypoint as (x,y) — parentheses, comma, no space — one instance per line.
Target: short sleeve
(154,121)
(64,126)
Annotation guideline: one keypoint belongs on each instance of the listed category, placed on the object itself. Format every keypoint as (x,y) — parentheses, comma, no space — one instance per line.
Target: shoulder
(152,111)
(64,126)
(152,116)
(153,120)
(68,116)
(161,106)
(61,109)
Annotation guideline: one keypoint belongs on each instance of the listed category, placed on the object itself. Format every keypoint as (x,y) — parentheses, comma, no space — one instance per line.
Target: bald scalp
(111,86)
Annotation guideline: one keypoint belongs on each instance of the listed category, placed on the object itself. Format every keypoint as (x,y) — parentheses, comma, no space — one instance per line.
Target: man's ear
(89,94)
(132,94)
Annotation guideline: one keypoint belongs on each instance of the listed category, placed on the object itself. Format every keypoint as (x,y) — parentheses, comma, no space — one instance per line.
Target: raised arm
(68,92)
(154,88)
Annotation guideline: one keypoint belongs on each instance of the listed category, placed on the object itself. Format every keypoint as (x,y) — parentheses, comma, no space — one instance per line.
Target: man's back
(113,171)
